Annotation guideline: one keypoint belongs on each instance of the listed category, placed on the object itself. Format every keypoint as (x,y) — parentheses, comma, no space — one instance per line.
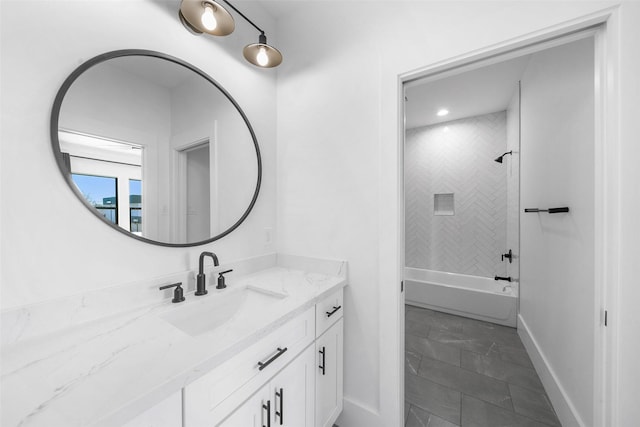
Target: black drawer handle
(322,352)
(268,408)
(332,312)
(280,413)
(262,365)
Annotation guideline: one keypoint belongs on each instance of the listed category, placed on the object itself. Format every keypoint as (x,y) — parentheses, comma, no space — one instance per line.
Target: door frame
(605,27)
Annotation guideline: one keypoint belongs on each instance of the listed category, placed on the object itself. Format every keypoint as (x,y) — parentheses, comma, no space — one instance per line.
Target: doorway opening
(198,192)
(525,133)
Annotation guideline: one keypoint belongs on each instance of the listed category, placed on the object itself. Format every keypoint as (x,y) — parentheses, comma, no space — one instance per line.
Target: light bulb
(262,57)
(208,19)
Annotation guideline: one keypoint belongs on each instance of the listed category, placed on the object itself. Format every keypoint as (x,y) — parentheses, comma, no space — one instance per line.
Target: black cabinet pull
(268,408)
(262,365)
(322,352)
(280,414)
(332,312)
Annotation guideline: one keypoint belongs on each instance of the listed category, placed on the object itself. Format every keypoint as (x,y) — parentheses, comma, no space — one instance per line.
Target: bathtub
(470,296)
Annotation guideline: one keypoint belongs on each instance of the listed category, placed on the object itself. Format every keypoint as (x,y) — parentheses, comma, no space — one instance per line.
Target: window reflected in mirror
(135,206)
(100,192)
(108,174)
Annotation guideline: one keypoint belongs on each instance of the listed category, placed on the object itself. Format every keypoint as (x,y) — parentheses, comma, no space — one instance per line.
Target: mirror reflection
(157,149)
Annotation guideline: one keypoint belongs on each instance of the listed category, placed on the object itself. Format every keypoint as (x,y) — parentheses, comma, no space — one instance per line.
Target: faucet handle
(221,284)
(178,293)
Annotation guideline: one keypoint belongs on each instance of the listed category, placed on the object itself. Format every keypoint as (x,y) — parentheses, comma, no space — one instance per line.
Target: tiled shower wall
(457,157)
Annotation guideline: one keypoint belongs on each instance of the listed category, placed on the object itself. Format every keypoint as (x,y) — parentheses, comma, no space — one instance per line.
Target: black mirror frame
(66,173)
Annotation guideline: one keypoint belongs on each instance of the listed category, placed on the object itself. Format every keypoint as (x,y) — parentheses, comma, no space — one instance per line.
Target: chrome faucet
(201,285)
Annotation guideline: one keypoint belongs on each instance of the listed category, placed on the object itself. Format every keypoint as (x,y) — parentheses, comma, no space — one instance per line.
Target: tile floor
(468,373)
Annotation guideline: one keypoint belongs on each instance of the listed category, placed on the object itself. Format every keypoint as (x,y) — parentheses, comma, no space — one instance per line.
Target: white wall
(58,248)
(557,280)
(338,103)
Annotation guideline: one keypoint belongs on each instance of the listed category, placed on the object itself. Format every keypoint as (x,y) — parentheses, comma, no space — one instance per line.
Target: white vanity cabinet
(278,380)
(252,413)
(167,413)
(329,355)
(209,400)
(329,376)
(287,400)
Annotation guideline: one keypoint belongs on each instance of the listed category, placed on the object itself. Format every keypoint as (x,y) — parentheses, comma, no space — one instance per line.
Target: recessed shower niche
(443,204)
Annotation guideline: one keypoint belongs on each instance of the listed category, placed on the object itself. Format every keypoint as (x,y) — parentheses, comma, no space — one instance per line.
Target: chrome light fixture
(208,16)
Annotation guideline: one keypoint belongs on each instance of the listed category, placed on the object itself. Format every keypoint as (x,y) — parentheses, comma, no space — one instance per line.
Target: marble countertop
(107,371)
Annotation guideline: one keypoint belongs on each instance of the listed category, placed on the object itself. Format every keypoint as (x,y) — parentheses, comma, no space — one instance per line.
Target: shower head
(499,159)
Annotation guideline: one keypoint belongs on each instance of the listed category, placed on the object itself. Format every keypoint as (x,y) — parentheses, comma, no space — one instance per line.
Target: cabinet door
(252,413)
(167,413)
(329,375)
(293,392)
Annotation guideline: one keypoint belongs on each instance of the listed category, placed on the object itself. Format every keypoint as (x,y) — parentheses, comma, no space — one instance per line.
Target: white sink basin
(217,309)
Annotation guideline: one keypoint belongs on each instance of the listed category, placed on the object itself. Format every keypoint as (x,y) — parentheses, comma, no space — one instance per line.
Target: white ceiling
(484,90)
(276,8)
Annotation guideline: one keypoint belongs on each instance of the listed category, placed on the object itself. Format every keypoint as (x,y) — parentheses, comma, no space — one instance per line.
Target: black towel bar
(550,210)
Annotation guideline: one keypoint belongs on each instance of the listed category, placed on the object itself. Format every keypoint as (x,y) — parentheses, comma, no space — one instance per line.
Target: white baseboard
(561,402)
(355,414)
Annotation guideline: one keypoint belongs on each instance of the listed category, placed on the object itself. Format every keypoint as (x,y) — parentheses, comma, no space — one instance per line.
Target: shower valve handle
(509,256)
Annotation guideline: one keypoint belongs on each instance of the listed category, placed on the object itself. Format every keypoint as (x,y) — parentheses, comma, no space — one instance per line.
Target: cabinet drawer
(212,397)
(328,311)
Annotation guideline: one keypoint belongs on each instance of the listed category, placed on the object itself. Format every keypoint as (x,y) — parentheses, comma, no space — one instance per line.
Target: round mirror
(156,148)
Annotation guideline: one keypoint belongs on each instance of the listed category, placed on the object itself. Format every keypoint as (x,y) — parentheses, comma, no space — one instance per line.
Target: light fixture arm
(243,15)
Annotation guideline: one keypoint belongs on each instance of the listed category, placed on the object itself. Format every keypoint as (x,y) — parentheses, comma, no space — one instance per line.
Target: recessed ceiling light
(443,112)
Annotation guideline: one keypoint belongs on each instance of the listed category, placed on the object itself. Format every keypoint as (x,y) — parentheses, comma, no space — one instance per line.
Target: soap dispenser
(221,284)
